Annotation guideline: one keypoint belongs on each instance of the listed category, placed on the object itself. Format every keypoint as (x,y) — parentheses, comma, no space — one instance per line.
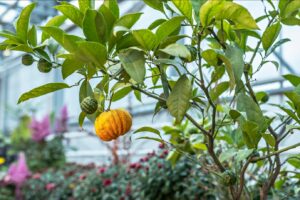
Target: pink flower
(50,186)
(166,152)
(147,168)
(151,154)
(40,129)
(138,166)
(82,177)
(107,182)
(18,172)
(61,124)
(36,176)
(145,159)
(132,165)
(101,170)
(159,165)
(161,145)
(128,190)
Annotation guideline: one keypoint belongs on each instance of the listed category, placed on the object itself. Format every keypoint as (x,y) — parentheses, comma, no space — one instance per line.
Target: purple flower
(61,124)
(18,172)
(40,129)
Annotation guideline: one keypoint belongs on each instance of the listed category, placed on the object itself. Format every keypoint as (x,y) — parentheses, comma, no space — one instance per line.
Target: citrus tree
(214,65)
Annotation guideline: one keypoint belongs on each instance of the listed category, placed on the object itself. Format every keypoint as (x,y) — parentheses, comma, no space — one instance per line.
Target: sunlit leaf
(23,22)
(42,90)
(178,101)
(134,63)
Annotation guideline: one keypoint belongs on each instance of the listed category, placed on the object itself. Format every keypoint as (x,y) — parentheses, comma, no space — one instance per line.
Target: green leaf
(243,154)
(71,12)
(138,95)
(253,111)
(295,98)
(42,90)
(151,138)
(262,96)
(81,118)
(55,21)
(293,79)
(185,7)
(234,114)
(69,66)
(217,74)
(156,23)
(110,20)
(145,38)
(277,44)
(85,91)
(178,101)
(210,56)
(92,52)
(173,157)
(128,20)
(94,26)
(225,10)
(126,41)
(120,94)
(196,7)
(11,36)
(155,4)
(178,50)
(227,155)
(86,4)
(147,129)
(251,134)
(168,27)
(134,64)
(270,35)
(289,113)
(235,57)
(68,42)
(218,90)
(294,161)
(269,139)
(288,8)
(21,47)
(23,22)
(32,36)
(113,6)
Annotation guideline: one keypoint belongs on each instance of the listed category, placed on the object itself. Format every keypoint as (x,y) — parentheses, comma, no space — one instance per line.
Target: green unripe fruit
(44,66)
(228,178)
(89,105)
(27,59)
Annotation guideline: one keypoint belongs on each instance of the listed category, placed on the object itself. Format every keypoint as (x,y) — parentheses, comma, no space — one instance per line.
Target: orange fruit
(111,124)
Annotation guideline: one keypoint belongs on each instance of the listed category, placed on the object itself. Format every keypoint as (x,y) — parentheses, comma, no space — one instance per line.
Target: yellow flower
(2,160)
(71,186)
